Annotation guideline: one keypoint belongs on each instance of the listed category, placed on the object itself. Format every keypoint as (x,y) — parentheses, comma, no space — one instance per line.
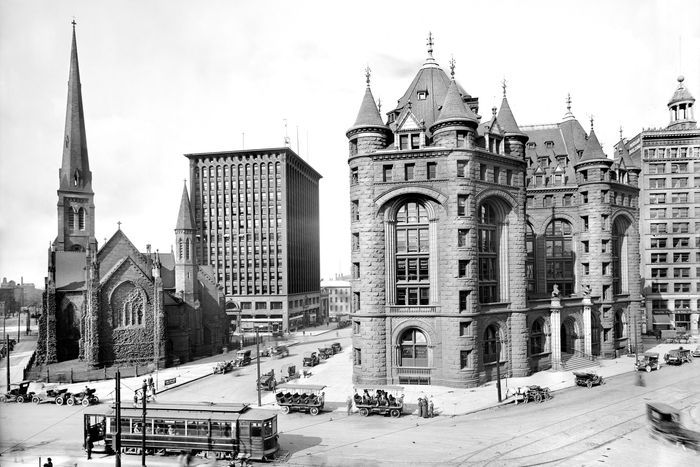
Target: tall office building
(670,215)
(480,247)
(257,225)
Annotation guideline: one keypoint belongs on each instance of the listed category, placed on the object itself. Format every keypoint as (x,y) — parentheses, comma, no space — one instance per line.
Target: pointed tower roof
(505,117)
(593,151)
(453,108)
(623,154)
(368,116)
(75,174)
(184,216)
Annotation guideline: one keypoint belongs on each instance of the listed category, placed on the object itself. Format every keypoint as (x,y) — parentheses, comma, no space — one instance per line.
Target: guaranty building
(478,244)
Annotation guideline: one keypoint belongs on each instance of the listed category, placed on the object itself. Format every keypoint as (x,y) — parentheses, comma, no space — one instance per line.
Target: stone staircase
(571,362)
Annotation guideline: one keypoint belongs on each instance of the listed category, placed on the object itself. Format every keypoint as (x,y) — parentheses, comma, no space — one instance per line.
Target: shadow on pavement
(295,443)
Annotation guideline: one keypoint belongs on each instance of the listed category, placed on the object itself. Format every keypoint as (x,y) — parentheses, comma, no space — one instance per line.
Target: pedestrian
(420,407)
(88,445)
(640,379)
(151,385)
(349,404)
(431,408)
(136,398)
(48,463)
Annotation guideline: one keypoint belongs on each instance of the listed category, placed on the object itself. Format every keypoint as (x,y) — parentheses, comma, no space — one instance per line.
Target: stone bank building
(476,242)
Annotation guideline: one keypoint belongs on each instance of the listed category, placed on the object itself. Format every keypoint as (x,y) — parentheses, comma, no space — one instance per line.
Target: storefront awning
(662,319)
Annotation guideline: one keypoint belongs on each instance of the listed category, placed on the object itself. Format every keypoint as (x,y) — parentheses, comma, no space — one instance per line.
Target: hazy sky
(164,78)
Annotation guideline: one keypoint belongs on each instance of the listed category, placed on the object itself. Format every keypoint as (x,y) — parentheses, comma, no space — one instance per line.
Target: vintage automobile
(242,358)
(525,394)
(587,379)
(382,400)
(46,394)
(267,381)
(678,356)
(696,351)
(325,352)
(665,423)
(336,347)
(302,398)
(223,367)
(18,393)
(289,373)
(84,398)
(279,351)
(647,362)
(310,359)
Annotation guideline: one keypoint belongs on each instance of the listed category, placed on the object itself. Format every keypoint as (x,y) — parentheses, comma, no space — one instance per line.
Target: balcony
(412,371)
(412,310)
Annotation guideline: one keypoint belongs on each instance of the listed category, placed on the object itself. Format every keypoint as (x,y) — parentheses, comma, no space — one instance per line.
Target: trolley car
(223,430)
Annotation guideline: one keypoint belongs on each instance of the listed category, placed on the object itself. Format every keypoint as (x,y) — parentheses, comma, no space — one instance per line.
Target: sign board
(170,381)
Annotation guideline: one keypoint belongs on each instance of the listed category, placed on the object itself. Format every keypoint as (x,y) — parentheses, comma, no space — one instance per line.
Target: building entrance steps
(571,362)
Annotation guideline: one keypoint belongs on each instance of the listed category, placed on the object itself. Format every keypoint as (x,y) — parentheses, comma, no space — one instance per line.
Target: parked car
(242,358)
(588,379)
(267,381)
(279,351)
(310,359)
(649,361)
(696,351)
(678,356)
(18,393)
(336,347)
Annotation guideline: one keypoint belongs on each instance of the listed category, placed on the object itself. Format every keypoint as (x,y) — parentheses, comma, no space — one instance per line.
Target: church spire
(184,216)
(75,172)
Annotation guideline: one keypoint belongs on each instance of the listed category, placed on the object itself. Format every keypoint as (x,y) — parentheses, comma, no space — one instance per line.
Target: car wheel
(36,399)
(70,401)
(648,369)
(285,409)
(364,412)
(85,402)
(95,399)
(313,410)
(20,399)
(589,384)
(59,400)
(395,413)
(538,397)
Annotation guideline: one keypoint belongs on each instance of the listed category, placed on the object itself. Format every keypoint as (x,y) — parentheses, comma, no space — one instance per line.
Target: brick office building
(116,304)
(451,273)
(257,226)
(670,227)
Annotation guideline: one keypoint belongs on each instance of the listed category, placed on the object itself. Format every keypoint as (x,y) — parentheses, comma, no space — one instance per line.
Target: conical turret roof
(506,120)
(75,172)
(593,151)
(623,155)
(368,116)
(453,109)
(184,216)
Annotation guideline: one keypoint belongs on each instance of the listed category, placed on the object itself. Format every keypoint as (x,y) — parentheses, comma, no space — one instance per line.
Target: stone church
(114,304)
(479,245)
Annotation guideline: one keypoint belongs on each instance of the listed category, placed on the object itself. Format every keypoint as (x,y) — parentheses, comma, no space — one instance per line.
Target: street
(580,426)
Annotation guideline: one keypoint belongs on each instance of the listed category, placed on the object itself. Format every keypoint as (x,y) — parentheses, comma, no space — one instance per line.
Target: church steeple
(75,172)
(185,261)
(76,208)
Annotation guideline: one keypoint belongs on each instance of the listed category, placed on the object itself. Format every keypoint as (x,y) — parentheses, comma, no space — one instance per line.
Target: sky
(164,78)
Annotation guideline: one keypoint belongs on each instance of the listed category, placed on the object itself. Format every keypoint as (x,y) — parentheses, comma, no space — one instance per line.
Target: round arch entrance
(569,335)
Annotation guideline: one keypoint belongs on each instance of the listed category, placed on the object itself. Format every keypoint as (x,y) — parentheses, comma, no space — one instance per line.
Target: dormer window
(543,161)
(549,144)
(531,145)
(422,95)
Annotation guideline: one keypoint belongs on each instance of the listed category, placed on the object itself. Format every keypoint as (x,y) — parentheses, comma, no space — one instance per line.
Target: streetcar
(221,430)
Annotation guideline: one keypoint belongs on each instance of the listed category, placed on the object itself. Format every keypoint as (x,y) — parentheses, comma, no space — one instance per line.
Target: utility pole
(257,349)
(118,434)
(143,424)
(498,368)
(7,348)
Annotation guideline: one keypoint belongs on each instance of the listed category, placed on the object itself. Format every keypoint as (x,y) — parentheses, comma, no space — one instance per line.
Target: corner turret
(681,108)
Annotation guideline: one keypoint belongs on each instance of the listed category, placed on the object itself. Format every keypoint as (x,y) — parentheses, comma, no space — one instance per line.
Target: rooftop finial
(73,23)
(452,67)
(379,105)
(591,122)
(620,132)
(368,73)
(430,44)
(568,102)
(119,225)
(504,85)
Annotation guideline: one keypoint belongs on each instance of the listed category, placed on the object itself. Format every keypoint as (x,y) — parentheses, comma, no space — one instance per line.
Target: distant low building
(339,298)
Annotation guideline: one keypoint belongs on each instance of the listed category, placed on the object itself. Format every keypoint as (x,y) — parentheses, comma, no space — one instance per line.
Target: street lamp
(257,350)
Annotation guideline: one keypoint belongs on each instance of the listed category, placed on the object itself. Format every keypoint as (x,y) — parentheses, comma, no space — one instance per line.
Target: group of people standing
(426,409)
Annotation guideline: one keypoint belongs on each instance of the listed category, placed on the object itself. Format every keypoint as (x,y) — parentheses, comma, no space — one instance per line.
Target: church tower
(76,207)
(185,264)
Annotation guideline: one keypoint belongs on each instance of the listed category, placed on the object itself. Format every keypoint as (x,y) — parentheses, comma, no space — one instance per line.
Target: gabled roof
(506,119)
(184,216)
(623,155)
(74,174)
(407,121)
(593,150)
(125,261)
(453,108)
(114,249)
(368,116)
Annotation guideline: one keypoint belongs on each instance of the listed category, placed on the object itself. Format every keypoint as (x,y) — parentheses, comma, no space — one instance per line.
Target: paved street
(602,425)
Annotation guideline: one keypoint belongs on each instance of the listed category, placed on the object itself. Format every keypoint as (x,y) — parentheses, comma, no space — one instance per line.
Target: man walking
(151,385)
(349,404)
(88,445)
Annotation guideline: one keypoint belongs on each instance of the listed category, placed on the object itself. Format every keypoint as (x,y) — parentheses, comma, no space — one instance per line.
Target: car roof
(663,408)
(302,387)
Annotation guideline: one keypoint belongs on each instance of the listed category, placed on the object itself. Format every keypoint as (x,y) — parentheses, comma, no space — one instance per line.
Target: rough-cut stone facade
(467,282)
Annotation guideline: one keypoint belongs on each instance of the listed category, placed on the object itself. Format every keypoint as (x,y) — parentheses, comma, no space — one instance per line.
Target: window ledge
(494,363)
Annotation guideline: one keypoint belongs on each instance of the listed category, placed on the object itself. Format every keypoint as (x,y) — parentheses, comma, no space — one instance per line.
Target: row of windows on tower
(678,273)
(240,169)
(677,242)
(676,257)
(676,182)
(672,153)
(678,287)
(676,227)
(676,213)
(679,305)
(77,218)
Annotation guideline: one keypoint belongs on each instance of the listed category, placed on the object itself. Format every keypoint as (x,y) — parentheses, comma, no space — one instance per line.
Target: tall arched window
(413,348)
(491,344)
(620,255)
(412,255)
(179,248)
(128,305)
(530,271)
(560,257)
(537,337)
(81,218)
(488,244)
(71,219)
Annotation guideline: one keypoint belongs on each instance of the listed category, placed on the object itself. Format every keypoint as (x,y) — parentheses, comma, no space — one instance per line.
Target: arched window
(488,245)
(620,255)
(491,343)
(128,304)
(81,218)
(71,218)
(413,348)
(179,248)
(530,271)
(560,257)
(537,337)
(412,255)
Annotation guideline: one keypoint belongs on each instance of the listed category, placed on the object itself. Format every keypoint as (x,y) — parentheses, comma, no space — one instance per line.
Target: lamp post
(257,350)
(118,431)
(144,388)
